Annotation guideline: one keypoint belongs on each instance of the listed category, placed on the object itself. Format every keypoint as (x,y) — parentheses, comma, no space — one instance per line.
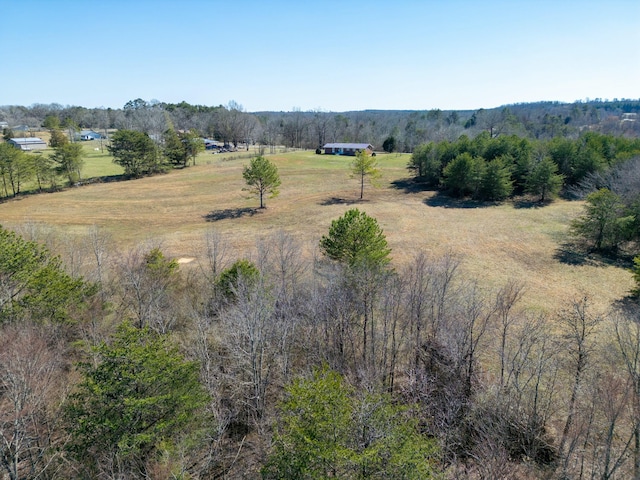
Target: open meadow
(494,242)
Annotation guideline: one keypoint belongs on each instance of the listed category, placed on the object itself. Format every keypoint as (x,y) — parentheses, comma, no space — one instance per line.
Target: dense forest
(124,365)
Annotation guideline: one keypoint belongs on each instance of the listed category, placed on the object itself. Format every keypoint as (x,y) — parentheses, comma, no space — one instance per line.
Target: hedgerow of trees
(495,168)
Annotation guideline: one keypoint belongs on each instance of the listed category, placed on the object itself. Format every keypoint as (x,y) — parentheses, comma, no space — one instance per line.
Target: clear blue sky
(328,55)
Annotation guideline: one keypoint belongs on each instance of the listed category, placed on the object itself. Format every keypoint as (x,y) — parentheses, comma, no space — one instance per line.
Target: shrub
(242,271)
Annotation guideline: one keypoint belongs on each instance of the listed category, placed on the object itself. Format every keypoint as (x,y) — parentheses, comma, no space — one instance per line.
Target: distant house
(86,135)
(347,148)
(29,143)
(4,125)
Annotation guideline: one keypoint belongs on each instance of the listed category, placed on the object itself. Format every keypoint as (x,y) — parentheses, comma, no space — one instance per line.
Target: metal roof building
(28,143)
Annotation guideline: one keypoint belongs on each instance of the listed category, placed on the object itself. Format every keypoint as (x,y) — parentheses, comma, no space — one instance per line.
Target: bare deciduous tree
(394,330)
(212,263)
(99,244)
(149,285)
(608,446)
(280,257)
(579,327)
(418,282)
(530,383)
(30,378)
(466,330)
(252,333)
(627,336)
(506,299)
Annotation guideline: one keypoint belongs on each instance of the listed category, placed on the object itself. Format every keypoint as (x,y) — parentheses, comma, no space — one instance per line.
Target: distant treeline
(310,129)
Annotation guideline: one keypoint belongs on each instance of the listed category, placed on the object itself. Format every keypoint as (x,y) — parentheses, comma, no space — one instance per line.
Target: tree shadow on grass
(231,213)
(445,201)
(629,305)
(410,185)
(114,178)
(103,179)
(341,201)
(570,254)
(527,203)
(576,254)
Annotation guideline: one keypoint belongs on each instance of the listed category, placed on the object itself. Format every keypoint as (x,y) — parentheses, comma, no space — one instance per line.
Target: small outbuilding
(347,148)
(28,143)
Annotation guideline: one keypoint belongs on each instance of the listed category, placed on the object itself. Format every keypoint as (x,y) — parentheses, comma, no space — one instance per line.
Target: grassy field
(494,242)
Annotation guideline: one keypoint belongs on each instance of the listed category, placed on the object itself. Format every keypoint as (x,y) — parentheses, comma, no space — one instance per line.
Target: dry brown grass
(495,243)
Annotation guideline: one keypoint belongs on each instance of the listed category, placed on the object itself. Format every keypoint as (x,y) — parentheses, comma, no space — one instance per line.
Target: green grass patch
(98,162)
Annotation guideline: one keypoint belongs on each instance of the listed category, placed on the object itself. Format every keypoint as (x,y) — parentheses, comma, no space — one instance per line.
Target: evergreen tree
(173,148)
(139,395)
(241,271)
(356,239)
(135,152)
(69,160)
(193,144)
(389,144)
(58,138)
(328,430)
(543,179)
(636,275)
(496,181)
(463,175)
(34,284)
(180,147)
(427,164)
(262,178)
(603,223)
(7,134)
